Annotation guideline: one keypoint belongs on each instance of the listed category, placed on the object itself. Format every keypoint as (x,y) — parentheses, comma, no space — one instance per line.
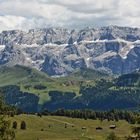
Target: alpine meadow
(69,70)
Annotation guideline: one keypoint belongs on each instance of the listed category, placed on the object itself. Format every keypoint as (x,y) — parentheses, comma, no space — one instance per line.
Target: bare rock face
(59,51)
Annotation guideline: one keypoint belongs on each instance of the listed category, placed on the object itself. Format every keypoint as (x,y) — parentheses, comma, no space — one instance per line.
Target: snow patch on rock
(2,47)
(125,50)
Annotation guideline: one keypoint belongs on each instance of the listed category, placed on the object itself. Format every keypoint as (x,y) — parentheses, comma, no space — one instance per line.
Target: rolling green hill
(20,74)
(39,83)
(81,89)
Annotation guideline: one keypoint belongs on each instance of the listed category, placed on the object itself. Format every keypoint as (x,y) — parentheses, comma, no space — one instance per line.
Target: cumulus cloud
(25,14)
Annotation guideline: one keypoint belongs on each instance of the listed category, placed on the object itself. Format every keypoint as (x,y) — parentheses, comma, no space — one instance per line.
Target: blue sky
(26,14)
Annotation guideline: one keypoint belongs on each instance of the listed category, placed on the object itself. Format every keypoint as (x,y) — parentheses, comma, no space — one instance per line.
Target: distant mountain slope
(22,75)
(129,80)
(19,74)
(84,74)
(59,51)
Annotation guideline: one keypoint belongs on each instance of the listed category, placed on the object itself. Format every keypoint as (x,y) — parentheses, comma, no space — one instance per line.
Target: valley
(69,70)
(82,89)
(53,128)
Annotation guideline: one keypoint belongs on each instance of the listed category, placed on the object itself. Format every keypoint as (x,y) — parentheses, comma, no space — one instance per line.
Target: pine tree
(15,125)
(23,125)
(5,132)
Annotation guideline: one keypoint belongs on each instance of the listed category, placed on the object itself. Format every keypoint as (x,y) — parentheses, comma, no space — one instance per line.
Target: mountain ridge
(59,51)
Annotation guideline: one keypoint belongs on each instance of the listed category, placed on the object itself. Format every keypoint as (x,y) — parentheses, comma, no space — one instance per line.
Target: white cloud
(25,14)
(10,22)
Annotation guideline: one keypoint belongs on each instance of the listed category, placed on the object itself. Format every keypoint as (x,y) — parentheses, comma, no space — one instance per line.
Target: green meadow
(63,128)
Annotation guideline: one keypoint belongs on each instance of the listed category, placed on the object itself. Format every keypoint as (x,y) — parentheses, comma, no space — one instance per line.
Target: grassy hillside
(20,74)
(28,79)
(39,128)
(82,89)
(85,74)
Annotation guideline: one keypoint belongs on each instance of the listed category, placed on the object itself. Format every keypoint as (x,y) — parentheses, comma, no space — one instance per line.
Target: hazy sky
(25,14)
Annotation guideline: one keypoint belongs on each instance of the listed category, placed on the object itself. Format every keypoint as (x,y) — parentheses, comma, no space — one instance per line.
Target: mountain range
(51,68)
(59,51)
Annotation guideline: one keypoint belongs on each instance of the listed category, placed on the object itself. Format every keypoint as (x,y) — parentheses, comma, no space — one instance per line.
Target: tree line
(112,115)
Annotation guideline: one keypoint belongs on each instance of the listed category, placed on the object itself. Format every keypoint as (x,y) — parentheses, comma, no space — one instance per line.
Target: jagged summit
(59,51)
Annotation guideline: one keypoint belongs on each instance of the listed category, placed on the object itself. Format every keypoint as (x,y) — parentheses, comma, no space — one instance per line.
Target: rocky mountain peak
(59,51)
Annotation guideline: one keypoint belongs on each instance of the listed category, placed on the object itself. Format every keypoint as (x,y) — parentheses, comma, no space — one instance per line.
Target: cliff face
(59,51)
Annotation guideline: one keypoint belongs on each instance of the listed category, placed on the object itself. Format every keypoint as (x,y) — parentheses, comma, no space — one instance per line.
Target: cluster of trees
(120,93)
(27,102)
(131,80)
(6,133)
(113,115)
(106,95)
(40,87)
(102,95)
(22,125)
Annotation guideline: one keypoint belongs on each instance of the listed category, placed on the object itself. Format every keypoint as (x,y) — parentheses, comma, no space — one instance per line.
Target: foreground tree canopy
(5,132)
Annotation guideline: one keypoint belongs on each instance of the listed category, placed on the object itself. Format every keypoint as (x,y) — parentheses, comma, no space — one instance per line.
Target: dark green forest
(73,92)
